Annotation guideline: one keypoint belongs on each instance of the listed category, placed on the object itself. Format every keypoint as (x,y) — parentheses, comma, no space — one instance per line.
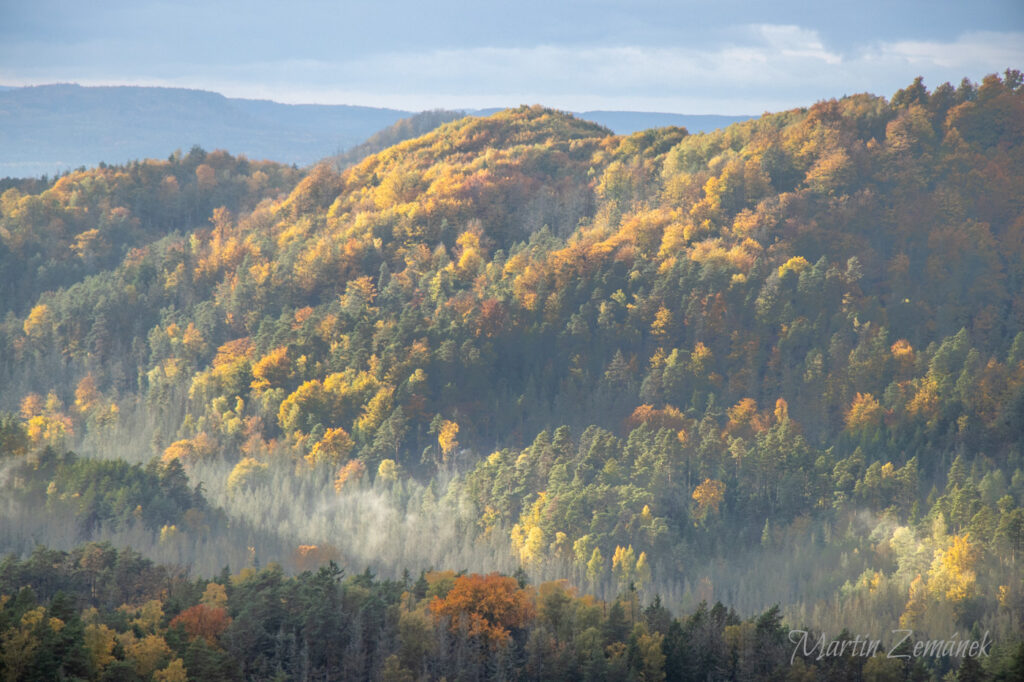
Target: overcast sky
(724,57)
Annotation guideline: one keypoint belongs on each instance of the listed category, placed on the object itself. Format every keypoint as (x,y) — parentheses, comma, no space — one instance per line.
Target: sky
(725,57)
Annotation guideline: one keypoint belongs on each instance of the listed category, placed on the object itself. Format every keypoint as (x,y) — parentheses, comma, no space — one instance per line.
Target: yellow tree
(39,323)
(864,415)
(215,595)
(651,655)
(180,449)
(272,370)
(707,496)
(99,644)
(389,471)
(18,644)
(743,418)
(147,654)
(661,328)
(624,565)
(148,616)
(174,672)
(333,449)
(953,575)
(527,536)
(781,410)
(446,438)
(917,604)
(643,570)
(247,473)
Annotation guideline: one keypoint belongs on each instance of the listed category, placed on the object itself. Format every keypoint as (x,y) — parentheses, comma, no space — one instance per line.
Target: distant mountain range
(47,129)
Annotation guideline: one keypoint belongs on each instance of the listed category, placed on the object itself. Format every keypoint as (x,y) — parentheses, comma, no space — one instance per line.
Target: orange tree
(492,606)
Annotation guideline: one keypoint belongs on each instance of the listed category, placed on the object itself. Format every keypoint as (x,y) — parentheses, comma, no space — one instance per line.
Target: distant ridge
(628,122)
(48,129)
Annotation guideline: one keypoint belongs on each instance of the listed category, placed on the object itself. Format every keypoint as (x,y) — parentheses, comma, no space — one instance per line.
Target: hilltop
(48,129)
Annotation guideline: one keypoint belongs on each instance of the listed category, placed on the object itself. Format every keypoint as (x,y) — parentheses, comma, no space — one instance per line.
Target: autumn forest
(517,398)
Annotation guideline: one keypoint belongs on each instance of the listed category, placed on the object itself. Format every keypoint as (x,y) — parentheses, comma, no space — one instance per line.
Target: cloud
(794,41)
(752,68)
(978,49)
(763,67)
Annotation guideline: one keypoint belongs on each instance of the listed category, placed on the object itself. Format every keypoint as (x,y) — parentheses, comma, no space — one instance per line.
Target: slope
(661,360)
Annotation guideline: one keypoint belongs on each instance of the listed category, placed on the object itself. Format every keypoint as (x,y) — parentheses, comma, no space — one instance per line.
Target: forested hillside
(781,363)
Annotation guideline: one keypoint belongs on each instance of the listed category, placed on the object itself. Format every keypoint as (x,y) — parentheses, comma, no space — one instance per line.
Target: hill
(50,128)
(782,362)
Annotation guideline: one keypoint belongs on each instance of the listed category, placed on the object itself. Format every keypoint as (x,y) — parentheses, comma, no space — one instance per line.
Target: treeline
(100,614)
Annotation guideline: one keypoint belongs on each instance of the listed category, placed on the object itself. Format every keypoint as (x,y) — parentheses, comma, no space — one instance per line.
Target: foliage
(690,357)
